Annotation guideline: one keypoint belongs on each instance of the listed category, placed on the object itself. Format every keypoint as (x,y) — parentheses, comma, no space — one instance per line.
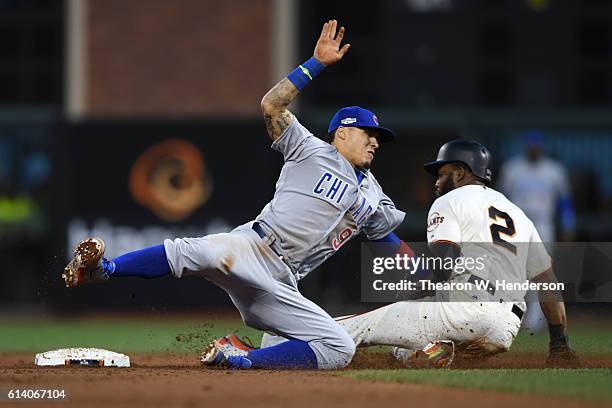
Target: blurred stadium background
(139,120)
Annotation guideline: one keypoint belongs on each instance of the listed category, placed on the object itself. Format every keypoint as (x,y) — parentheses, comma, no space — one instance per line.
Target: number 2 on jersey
(497,229)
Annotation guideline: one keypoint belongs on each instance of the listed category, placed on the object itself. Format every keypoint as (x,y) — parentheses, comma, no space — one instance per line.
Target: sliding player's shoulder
(462,196)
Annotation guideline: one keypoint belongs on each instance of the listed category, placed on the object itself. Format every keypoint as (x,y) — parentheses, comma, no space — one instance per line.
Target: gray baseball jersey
(318,206)
(319,203)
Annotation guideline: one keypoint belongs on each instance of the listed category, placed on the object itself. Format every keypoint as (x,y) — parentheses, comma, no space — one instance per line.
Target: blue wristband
(303,74)
(567,213)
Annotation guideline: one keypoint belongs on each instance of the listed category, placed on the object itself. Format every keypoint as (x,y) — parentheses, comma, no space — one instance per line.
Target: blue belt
(265,237)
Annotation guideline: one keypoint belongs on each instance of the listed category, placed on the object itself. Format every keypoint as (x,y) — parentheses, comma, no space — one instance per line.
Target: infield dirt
(166,380)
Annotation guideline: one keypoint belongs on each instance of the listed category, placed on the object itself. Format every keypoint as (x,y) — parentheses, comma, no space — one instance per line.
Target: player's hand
(327,50)
(562,356)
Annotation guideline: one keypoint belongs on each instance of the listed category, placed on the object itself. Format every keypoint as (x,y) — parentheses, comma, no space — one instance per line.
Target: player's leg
(269,339)
(262,288)
(284,310)
(149,262)
(493,327)
(210,254)
(417,328)
(267,297)
(89,265)
(265,292)
(401,324)
(207,256)
(477,329)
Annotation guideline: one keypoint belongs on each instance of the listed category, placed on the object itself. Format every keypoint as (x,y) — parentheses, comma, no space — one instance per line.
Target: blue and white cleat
(221,353)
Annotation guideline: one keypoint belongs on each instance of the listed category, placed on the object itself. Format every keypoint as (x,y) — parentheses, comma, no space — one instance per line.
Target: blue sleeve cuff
(391,239)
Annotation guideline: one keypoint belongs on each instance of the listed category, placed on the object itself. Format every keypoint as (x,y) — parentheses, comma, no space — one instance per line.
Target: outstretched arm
(274,103)
(274,107)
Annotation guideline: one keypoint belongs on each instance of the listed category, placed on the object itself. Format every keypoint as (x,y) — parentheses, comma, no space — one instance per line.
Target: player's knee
(337,353)
(502,344)
(189,255)
(269,340)
(491,348)
(499,339)
(348,352)
(495,342)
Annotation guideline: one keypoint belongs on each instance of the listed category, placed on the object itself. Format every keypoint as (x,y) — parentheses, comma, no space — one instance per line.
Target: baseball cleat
(439,354)
(243,343)
(86,264)
(221,353)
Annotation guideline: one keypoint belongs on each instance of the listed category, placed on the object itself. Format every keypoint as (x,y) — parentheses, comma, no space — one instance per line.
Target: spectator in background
(539,185)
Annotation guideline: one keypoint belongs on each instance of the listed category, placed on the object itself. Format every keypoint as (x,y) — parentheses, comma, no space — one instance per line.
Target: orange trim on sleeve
(444,241)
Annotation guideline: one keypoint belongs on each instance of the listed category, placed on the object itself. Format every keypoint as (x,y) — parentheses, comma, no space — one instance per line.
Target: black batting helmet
(474,155)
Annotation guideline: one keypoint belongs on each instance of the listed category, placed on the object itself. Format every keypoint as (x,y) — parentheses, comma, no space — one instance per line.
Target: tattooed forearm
(274,107)
(276,123)
(280,96)
(269,125)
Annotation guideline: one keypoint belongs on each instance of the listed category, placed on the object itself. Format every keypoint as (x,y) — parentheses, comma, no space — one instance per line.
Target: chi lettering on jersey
(331,187)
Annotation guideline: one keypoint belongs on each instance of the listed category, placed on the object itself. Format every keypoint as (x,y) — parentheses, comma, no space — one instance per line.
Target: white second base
(82,356)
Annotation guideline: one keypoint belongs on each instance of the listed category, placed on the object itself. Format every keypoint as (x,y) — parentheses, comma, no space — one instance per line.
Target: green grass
(585,338)
(591,384)
(155,335)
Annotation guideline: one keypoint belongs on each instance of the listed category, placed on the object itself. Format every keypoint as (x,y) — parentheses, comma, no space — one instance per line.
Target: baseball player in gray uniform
(325,196)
